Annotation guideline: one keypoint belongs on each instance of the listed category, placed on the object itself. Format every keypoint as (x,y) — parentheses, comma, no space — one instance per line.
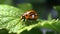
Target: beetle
(30,15)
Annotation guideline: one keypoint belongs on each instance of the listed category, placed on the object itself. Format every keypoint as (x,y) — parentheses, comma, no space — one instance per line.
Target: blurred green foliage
(58,10)
(13,24)
(9,2)
(25,6)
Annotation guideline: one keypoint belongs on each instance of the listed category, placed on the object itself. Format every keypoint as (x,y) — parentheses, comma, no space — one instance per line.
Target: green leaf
(10,20)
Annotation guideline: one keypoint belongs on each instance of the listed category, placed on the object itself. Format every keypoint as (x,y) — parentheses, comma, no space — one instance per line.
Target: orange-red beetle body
(31,14)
